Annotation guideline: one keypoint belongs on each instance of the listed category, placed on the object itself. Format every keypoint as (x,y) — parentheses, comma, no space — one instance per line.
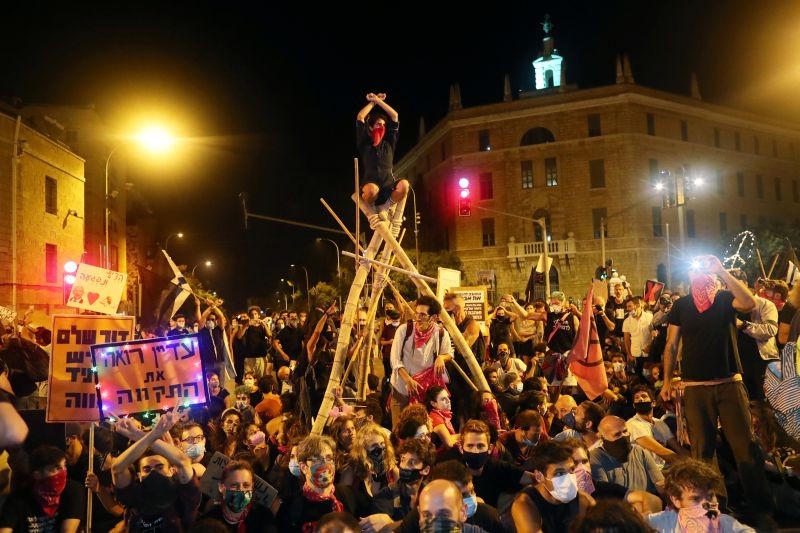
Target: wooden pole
(89,499)
(772,266)
(461,344)
(381,264)
(761,263)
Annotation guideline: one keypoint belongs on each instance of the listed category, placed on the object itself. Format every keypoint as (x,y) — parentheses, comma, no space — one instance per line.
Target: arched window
(537,136)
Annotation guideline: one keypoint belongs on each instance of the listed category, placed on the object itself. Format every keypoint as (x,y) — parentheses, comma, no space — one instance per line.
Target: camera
(665,301)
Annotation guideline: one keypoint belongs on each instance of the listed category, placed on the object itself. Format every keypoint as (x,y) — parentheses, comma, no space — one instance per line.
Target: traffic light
(70,267)
(464,202)
(601,273)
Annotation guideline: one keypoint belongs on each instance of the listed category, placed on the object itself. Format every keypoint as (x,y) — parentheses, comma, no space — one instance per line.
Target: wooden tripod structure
(382,236)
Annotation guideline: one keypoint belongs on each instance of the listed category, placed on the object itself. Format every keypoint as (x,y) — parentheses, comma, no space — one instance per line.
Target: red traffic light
(70,267)
(463,183)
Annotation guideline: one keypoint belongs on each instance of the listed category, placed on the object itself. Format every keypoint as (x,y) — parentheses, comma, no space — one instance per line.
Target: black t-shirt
(255,341)
(556,517)
(785,316)
(173,520)
(562,339)
(298,511)
(376,161)
(616,312)
(485,517)
(706,337)
(496,477)
(22,512)
(291,340)
(748,349)
(258,519)
(212,348)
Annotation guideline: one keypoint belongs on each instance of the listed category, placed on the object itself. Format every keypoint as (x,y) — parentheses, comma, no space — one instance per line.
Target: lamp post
(308,294)
(675,188)
(155,140)
(206,263)
(166,244)
(416,224)
(338,268)
(291,286)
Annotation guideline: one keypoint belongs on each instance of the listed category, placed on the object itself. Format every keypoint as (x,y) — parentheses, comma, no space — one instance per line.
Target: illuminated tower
(548,67)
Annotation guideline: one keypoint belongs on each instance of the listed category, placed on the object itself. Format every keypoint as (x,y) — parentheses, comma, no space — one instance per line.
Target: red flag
(586,357)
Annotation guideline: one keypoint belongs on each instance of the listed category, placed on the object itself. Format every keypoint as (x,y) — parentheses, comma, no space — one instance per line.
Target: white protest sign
(7,314)
(446,279)
(475,301)
(263,492)
(97,289)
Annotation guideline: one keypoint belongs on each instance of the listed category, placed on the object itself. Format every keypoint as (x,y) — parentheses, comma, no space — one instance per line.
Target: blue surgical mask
(195,450)
(472,505)
(528,442)
(294,468)
(569,420)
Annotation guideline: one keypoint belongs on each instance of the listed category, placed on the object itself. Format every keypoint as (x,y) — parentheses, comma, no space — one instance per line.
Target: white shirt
(641,332)
(405,354)
(514,364)
(639,427)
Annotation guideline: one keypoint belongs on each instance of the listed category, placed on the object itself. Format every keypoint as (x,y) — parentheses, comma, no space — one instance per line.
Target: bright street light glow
(464,193)
(699,182)
(69,279)
(463,183)
(180,235)
(208,263)
(156,139)
(71,267)
(659,186)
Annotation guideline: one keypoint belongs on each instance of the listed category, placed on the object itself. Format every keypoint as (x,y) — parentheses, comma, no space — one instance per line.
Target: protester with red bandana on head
(51,503)
(704,321)
(376,139)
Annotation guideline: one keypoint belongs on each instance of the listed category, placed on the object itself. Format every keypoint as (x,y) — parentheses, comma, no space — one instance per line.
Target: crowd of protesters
(682,438)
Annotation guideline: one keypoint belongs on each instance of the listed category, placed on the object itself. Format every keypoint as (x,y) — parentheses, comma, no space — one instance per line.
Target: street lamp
(207,263)
(166,245)
(675,188)
(291,286)
(308,294)
(154,139)
(338,269)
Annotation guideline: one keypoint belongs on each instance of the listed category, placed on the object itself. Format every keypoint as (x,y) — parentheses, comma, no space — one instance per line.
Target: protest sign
(475,301)
(652,290)
(447,278)
(72,395)
(147,375)
(263,492)
(7,314)
(97,289)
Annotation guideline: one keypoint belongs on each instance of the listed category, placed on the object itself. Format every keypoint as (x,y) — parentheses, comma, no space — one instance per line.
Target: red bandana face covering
(48,491)
(704,290)
(378,131)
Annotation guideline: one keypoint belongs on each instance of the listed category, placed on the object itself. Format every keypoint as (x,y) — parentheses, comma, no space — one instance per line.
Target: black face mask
(440,524)
(376,456)
(475,461)
(643,408)
(410,475)
(618,449)
(160,492)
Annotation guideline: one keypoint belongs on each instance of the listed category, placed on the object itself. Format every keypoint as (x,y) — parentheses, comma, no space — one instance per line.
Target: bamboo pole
(381,264)
(384,231)
(772,267)
(761,263)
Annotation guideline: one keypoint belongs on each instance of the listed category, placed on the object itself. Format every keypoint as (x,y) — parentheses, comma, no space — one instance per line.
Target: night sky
(268,98)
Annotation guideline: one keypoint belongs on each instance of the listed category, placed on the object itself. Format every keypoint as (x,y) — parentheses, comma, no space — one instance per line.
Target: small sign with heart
(97,289)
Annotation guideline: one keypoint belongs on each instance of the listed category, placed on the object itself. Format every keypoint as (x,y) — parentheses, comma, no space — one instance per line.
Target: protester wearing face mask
(393,503)
(315,455)
(388,328)
(650,433)
(691,487)
(500,324)
(479,516)
(441,508)
(374,466)
(507,394)
(616,460)
(165,493)
(180,327)
(287,344)
(213,348)
(437,400)
(193,444)
(587,417)
(517,446)
(561,324)
(242,404)
(268,404)
(506,362)
(491,476)
(238,511)
(218,397)
(555,501)
(637,329)
(565,408)
(51,503)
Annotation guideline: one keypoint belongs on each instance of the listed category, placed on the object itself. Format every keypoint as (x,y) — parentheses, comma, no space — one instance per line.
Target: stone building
(41,217)
(582,159)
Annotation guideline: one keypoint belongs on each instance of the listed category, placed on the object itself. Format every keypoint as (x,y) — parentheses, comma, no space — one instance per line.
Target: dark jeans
(753,369)
(728,403)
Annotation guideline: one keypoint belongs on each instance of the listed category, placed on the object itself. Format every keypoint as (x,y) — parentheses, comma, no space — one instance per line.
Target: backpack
(782,389)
